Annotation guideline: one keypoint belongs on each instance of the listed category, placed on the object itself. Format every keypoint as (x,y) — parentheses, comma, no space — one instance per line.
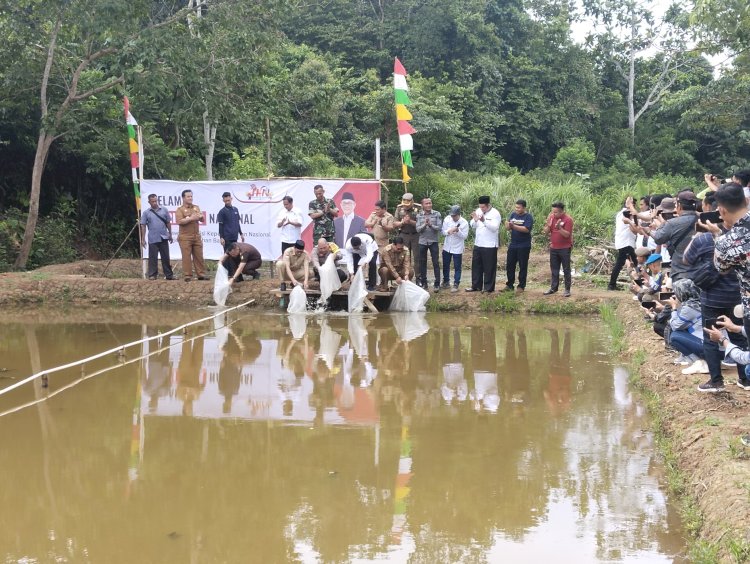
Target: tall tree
(66,49)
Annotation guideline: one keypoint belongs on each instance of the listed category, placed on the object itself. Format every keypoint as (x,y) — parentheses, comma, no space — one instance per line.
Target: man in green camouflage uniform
(322,211)
(405,222)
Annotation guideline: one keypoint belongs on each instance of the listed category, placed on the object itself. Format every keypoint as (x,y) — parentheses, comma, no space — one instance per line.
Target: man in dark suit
(349,224)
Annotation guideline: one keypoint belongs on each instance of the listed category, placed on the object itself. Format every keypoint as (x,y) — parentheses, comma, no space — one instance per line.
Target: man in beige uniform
(405,221)
(380,223)
(397,264)
(188,217)
(294,265)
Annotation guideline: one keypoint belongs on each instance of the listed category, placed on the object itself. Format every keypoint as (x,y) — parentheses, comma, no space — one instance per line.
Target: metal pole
(377,158)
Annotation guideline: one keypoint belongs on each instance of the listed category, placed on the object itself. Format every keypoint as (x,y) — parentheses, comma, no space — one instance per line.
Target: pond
(256,437)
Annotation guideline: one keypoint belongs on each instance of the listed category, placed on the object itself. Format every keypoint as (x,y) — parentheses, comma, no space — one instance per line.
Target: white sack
(222,288)
(329,279)
(357,292)
(297,300)
(409,297)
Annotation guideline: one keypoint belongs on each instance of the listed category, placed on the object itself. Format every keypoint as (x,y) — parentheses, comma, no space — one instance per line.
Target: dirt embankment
(87,283)
(704,431)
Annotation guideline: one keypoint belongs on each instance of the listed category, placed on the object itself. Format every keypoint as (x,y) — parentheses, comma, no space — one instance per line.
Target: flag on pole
(134,153)
(403,116)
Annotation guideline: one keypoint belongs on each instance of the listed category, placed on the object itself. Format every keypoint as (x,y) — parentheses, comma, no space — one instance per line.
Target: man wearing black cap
(241,259)
(485,220)
(294,265)
(677,232)
(349,224)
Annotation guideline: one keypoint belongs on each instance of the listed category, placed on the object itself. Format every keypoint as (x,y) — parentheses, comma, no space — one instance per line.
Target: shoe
(566,294)
(283,287)
(519,290)
(152,277)
(612,288)
(382,288)
(445,285)
(371,288)
(728,363)
(682,360)
(711,387)
(170,278)
(256,276)
(203,278)
(508,288)
(550,292)
(744,384)
(437,288)
(698,367)
(454,289)
(471,290)
(745,440)
(187,279)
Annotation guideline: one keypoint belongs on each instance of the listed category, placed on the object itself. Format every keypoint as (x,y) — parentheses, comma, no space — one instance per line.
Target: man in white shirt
(290,223)
(625,233)
(456,230)
(485,220)
(358,251)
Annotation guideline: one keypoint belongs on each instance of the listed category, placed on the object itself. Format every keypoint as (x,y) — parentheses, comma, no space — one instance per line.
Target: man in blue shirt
(519,224)
(228,219)
(157,220)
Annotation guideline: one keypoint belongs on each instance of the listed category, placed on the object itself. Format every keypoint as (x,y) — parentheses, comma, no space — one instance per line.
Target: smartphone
(638,282)
(664,296)
(709,322)
(626,213)
(712,216)
(650,305)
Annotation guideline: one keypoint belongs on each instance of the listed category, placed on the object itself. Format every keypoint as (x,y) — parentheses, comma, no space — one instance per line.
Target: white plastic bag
(357,292)
(298,325)
(297,300)
(409,297)
(329,279)
(222,288)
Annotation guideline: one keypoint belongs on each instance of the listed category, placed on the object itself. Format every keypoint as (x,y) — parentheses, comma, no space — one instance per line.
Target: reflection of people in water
(557,394)
(191,376)
(230,371)
(484,396)
(516,369)
(159,371)
(322,392)
(454,385)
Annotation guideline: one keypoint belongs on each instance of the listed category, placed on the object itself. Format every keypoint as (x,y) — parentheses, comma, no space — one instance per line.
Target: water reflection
(276,438)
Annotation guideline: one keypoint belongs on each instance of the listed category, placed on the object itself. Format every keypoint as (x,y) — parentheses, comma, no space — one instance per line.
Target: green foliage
(578,156)
(504,302)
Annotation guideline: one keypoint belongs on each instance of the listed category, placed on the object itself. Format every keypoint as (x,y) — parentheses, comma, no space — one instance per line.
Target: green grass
(562,308)
(615,326)
(737,450)
(711,422)
(436,306)
(504,302)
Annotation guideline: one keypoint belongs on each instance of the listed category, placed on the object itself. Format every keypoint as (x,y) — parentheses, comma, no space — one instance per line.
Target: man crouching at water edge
(294,265)
(366,251)
(320,254)
(241,259)
(397,266)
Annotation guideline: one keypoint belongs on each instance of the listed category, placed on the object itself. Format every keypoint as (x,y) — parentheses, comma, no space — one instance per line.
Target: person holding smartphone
(625,232)
(686,324)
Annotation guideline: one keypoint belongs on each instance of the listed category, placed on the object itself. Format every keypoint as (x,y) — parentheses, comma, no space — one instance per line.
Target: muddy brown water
(260,438)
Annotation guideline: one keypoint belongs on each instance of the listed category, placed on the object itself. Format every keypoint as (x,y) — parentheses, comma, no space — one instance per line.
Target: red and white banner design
(259,203)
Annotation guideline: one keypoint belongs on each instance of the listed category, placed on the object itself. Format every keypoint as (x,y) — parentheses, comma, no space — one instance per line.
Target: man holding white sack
(397,265)
(294,266)
(358,251)
(485,220)
(320,254)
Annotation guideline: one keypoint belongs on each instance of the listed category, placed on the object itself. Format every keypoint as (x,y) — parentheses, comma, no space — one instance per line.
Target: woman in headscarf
(686,325)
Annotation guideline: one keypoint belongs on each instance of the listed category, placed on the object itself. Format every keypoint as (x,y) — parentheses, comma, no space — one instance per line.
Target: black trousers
(622,255)
(518,257)
(558,257)
(433,248)
(484,268)
(154,251)
(372,271)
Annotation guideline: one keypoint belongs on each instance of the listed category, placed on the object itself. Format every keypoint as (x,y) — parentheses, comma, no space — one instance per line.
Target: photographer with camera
(676,232)
(625,233)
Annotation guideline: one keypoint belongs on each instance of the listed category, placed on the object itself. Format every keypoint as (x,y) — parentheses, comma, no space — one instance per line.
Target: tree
(631,32)
(66,50)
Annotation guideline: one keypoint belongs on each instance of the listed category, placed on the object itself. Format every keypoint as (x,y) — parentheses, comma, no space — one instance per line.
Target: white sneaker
(698,367)
(683,360)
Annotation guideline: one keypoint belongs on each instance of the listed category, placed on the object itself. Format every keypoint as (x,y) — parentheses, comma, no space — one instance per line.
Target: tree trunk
(43,145)
(631,97)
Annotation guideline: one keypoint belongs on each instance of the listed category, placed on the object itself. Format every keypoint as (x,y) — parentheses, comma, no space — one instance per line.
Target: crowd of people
(687,264)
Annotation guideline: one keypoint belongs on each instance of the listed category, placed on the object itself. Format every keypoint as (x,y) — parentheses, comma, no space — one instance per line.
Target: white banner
(259,203)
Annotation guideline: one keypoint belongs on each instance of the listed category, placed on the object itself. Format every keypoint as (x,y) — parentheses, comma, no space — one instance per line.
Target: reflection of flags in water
(402,486)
